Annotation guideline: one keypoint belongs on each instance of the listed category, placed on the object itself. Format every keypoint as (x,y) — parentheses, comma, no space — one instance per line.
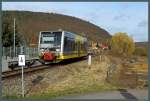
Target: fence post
(2,51)
(100,57)
(27,51)
(34,51)
(10,52)
(16,51)
(136,78)
(108,74)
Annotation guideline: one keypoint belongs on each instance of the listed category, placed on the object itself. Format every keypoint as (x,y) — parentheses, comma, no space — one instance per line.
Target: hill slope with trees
(29,24)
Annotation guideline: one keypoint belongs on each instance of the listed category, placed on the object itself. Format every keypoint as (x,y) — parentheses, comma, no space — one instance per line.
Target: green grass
(10,97)
(75,91)
(69,91)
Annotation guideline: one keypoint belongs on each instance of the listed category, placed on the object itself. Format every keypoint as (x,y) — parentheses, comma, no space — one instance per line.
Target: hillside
(141,44)
(29,24)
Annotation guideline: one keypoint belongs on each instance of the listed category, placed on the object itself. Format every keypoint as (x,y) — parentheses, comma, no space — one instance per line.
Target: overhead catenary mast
(14,36)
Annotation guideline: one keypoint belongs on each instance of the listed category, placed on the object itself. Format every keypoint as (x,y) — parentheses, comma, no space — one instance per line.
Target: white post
(22,76)
(14,36)
(22,83)
(22,64)
(100,57)
(89,60)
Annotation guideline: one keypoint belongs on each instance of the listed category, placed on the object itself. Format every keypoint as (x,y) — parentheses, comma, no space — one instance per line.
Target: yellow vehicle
(55,46)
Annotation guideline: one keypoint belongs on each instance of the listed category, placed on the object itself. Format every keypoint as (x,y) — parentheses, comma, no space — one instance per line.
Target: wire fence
(9,51)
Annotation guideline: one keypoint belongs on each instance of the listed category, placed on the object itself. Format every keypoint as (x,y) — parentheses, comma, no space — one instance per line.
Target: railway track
(17,72)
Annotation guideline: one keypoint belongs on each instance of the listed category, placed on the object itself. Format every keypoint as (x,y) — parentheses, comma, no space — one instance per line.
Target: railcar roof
(64,31)
(51,31)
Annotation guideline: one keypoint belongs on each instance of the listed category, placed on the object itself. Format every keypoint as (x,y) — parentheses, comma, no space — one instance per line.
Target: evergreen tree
(8,34)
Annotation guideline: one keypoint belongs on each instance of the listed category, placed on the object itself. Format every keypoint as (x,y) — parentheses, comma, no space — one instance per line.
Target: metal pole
(22,76)
(14,36)
(1,55)
(22,83)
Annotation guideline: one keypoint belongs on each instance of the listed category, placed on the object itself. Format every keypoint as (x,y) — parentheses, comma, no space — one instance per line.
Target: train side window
(74,48)
(65,41)
(72,45)
(67,44)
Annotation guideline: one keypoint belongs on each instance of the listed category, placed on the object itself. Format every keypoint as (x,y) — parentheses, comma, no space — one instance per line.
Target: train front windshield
(50,40)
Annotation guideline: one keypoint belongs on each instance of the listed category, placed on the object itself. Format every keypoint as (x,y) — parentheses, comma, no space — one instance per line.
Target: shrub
(122,44)
(141,51)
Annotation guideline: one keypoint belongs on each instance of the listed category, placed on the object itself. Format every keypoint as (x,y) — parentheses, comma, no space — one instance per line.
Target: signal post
(21,62)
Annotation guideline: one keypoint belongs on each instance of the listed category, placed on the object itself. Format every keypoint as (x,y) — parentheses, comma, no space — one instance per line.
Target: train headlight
(57,50)
(42,50)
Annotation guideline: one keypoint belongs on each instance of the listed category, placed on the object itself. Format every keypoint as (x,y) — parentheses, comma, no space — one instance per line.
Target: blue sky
(129,17)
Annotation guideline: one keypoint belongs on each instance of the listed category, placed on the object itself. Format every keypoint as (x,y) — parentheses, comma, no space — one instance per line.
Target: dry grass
(140,68)
(77,78)
(133,74)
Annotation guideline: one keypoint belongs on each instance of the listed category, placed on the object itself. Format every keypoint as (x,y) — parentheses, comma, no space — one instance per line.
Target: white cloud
(143,23)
